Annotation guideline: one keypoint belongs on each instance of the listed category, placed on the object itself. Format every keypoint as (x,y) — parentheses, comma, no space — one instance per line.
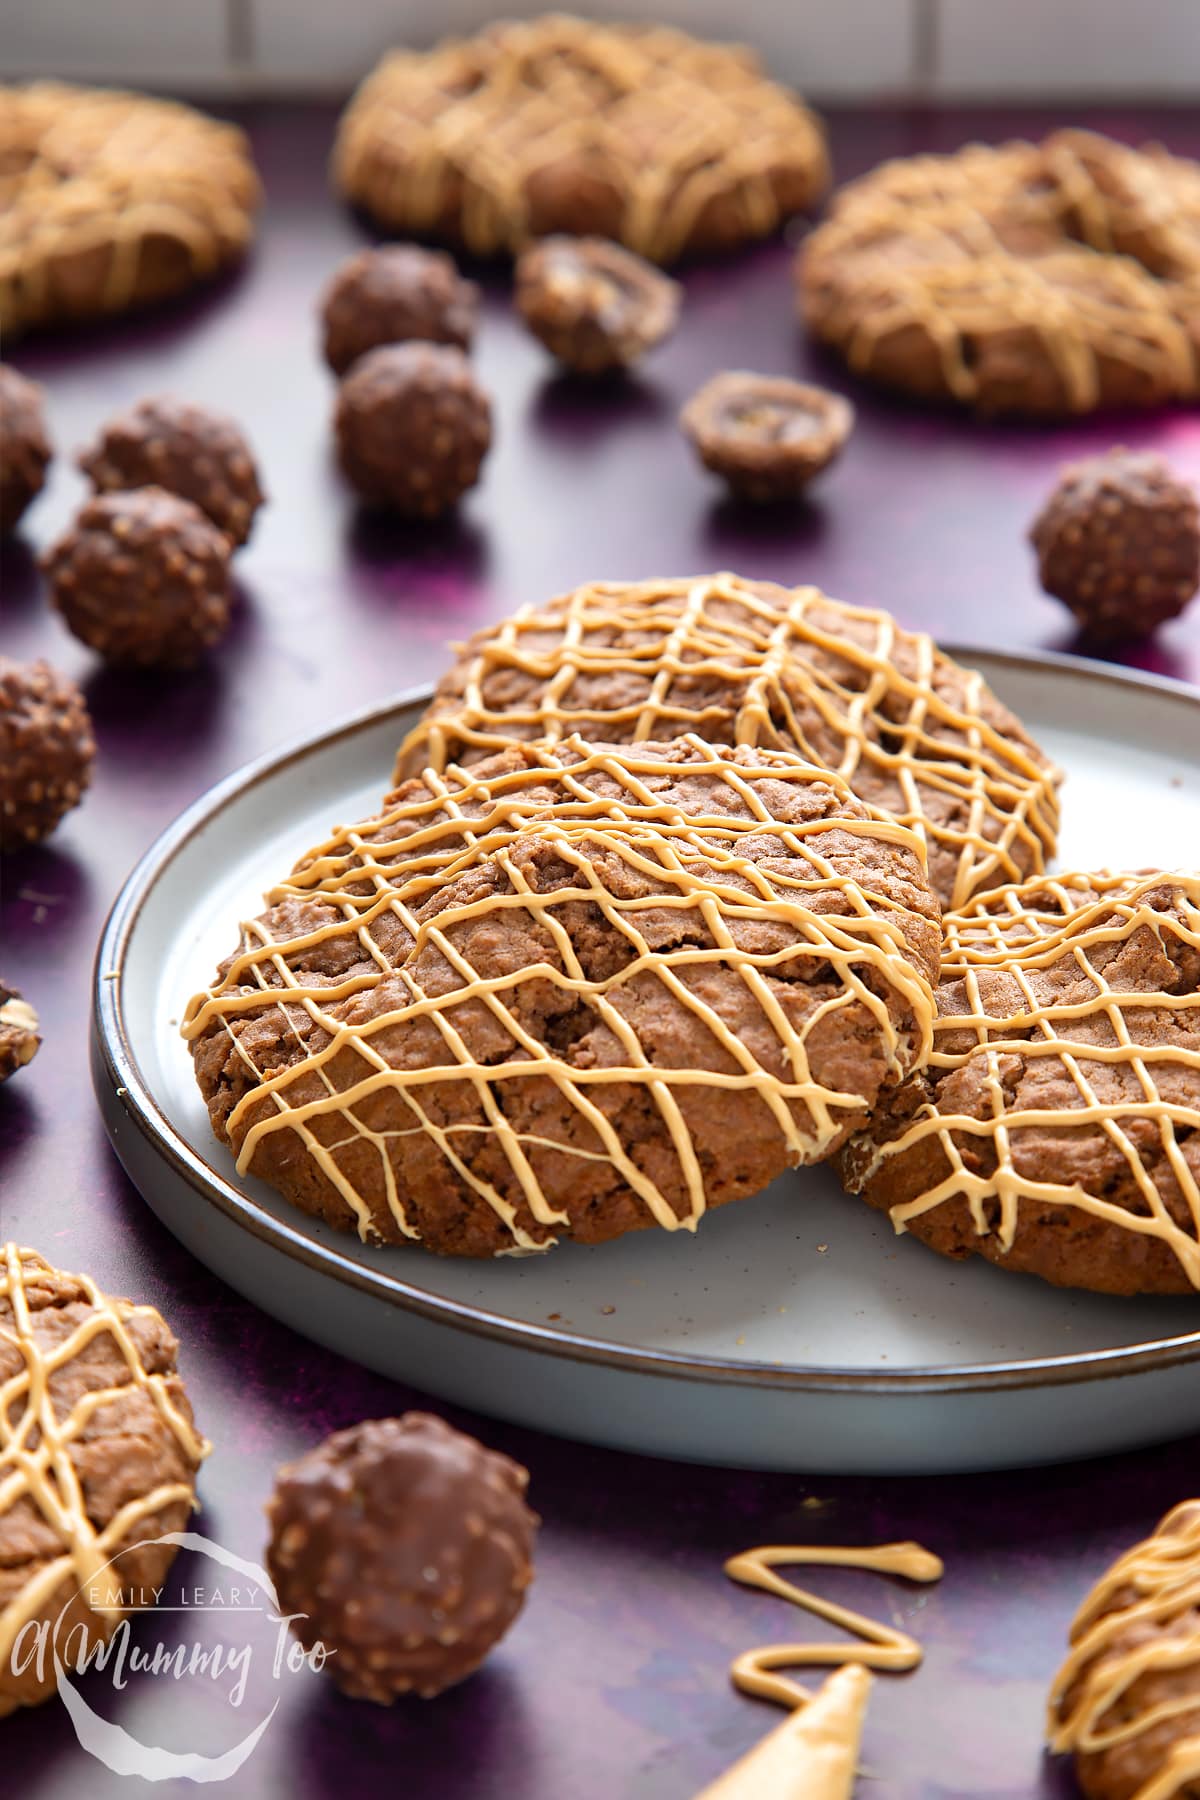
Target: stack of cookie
(654,911)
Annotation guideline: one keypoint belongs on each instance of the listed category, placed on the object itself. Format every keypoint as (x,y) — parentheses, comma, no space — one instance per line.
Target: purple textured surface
(613,1684)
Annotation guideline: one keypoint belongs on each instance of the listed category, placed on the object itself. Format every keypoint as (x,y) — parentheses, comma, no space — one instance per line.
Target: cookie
(25,448)
(97,1461)
(1126,1703)
(1056,1129)
(1043,279)
(573,992)
(665,143)
(109,201)
(786,668)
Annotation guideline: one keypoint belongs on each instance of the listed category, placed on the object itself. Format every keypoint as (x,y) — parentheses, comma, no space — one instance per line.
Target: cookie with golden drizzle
(645,135)
(747,662)
(1049,278)
(98,1456)
(111,200)
(576,990)
(1056,1127)
(1126,1703)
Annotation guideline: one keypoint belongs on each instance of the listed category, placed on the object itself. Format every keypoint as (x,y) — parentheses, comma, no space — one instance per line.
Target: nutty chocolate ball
(46,751)
(407,1548)
(19,1040)
(392,295)
(24,446)
(595,306)
(1118,542)
(413,427)
(765,435)
(187,450)
(143,578)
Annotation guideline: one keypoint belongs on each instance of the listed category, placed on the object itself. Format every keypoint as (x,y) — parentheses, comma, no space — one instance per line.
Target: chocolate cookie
(109,201)
(98,1460)
(579,991)
(747,662)
(25,450)
(1126,1703)
(1056,1129)
(1043,279)
(648,136)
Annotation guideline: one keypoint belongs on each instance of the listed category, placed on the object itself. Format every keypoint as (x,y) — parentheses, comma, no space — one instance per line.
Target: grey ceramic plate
(793,1331)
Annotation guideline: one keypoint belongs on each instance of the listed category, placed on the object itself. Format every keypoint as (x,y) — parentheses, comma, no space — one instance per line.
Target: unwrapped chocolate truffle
(413,427)
(392,295)
(1118,542)
(46,751)
(594,305)
(406,1548)
(24,446)
(19,1038)
(143,578)
(766,435)
(187,450)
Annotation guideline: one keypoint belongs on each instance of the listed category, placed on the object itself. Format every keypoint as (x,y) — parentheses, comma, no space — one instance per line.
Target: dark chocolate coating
(594,305)
(143,578)
(46,751)
(392,295)
(413,427)
(1118,542)
(406,1548)
(185,449)
(25,450)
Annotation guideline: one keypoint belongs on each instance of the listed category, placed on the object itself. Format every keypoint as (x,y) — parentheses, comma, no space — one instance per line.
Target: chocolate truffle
(413,426)
(1118,542)
(405,1547)
(185,449)
(143,578)
(24,447)
(765,435)
(394,294)
(46,751)
(19,1038)
(594,305)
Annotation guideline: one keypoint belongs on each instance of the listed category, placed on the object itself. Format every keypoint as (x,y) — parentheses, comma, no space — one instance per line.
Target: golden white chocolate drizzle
(35,1442)
(1093,1703)
(815,1755)
(879,1646)
(1019,931)
(671,123)
(693,863)
(771,667)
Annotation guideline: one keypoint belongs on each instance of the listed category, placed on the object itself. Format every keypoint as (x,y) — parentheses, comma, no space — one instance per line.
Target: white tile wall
(834,47)
(1069,47)
(146,42)
(831,49)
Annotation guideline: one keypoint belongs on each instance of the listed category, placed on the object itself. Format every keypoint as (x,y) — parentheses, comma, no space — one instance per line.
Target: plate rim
(116,1064)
